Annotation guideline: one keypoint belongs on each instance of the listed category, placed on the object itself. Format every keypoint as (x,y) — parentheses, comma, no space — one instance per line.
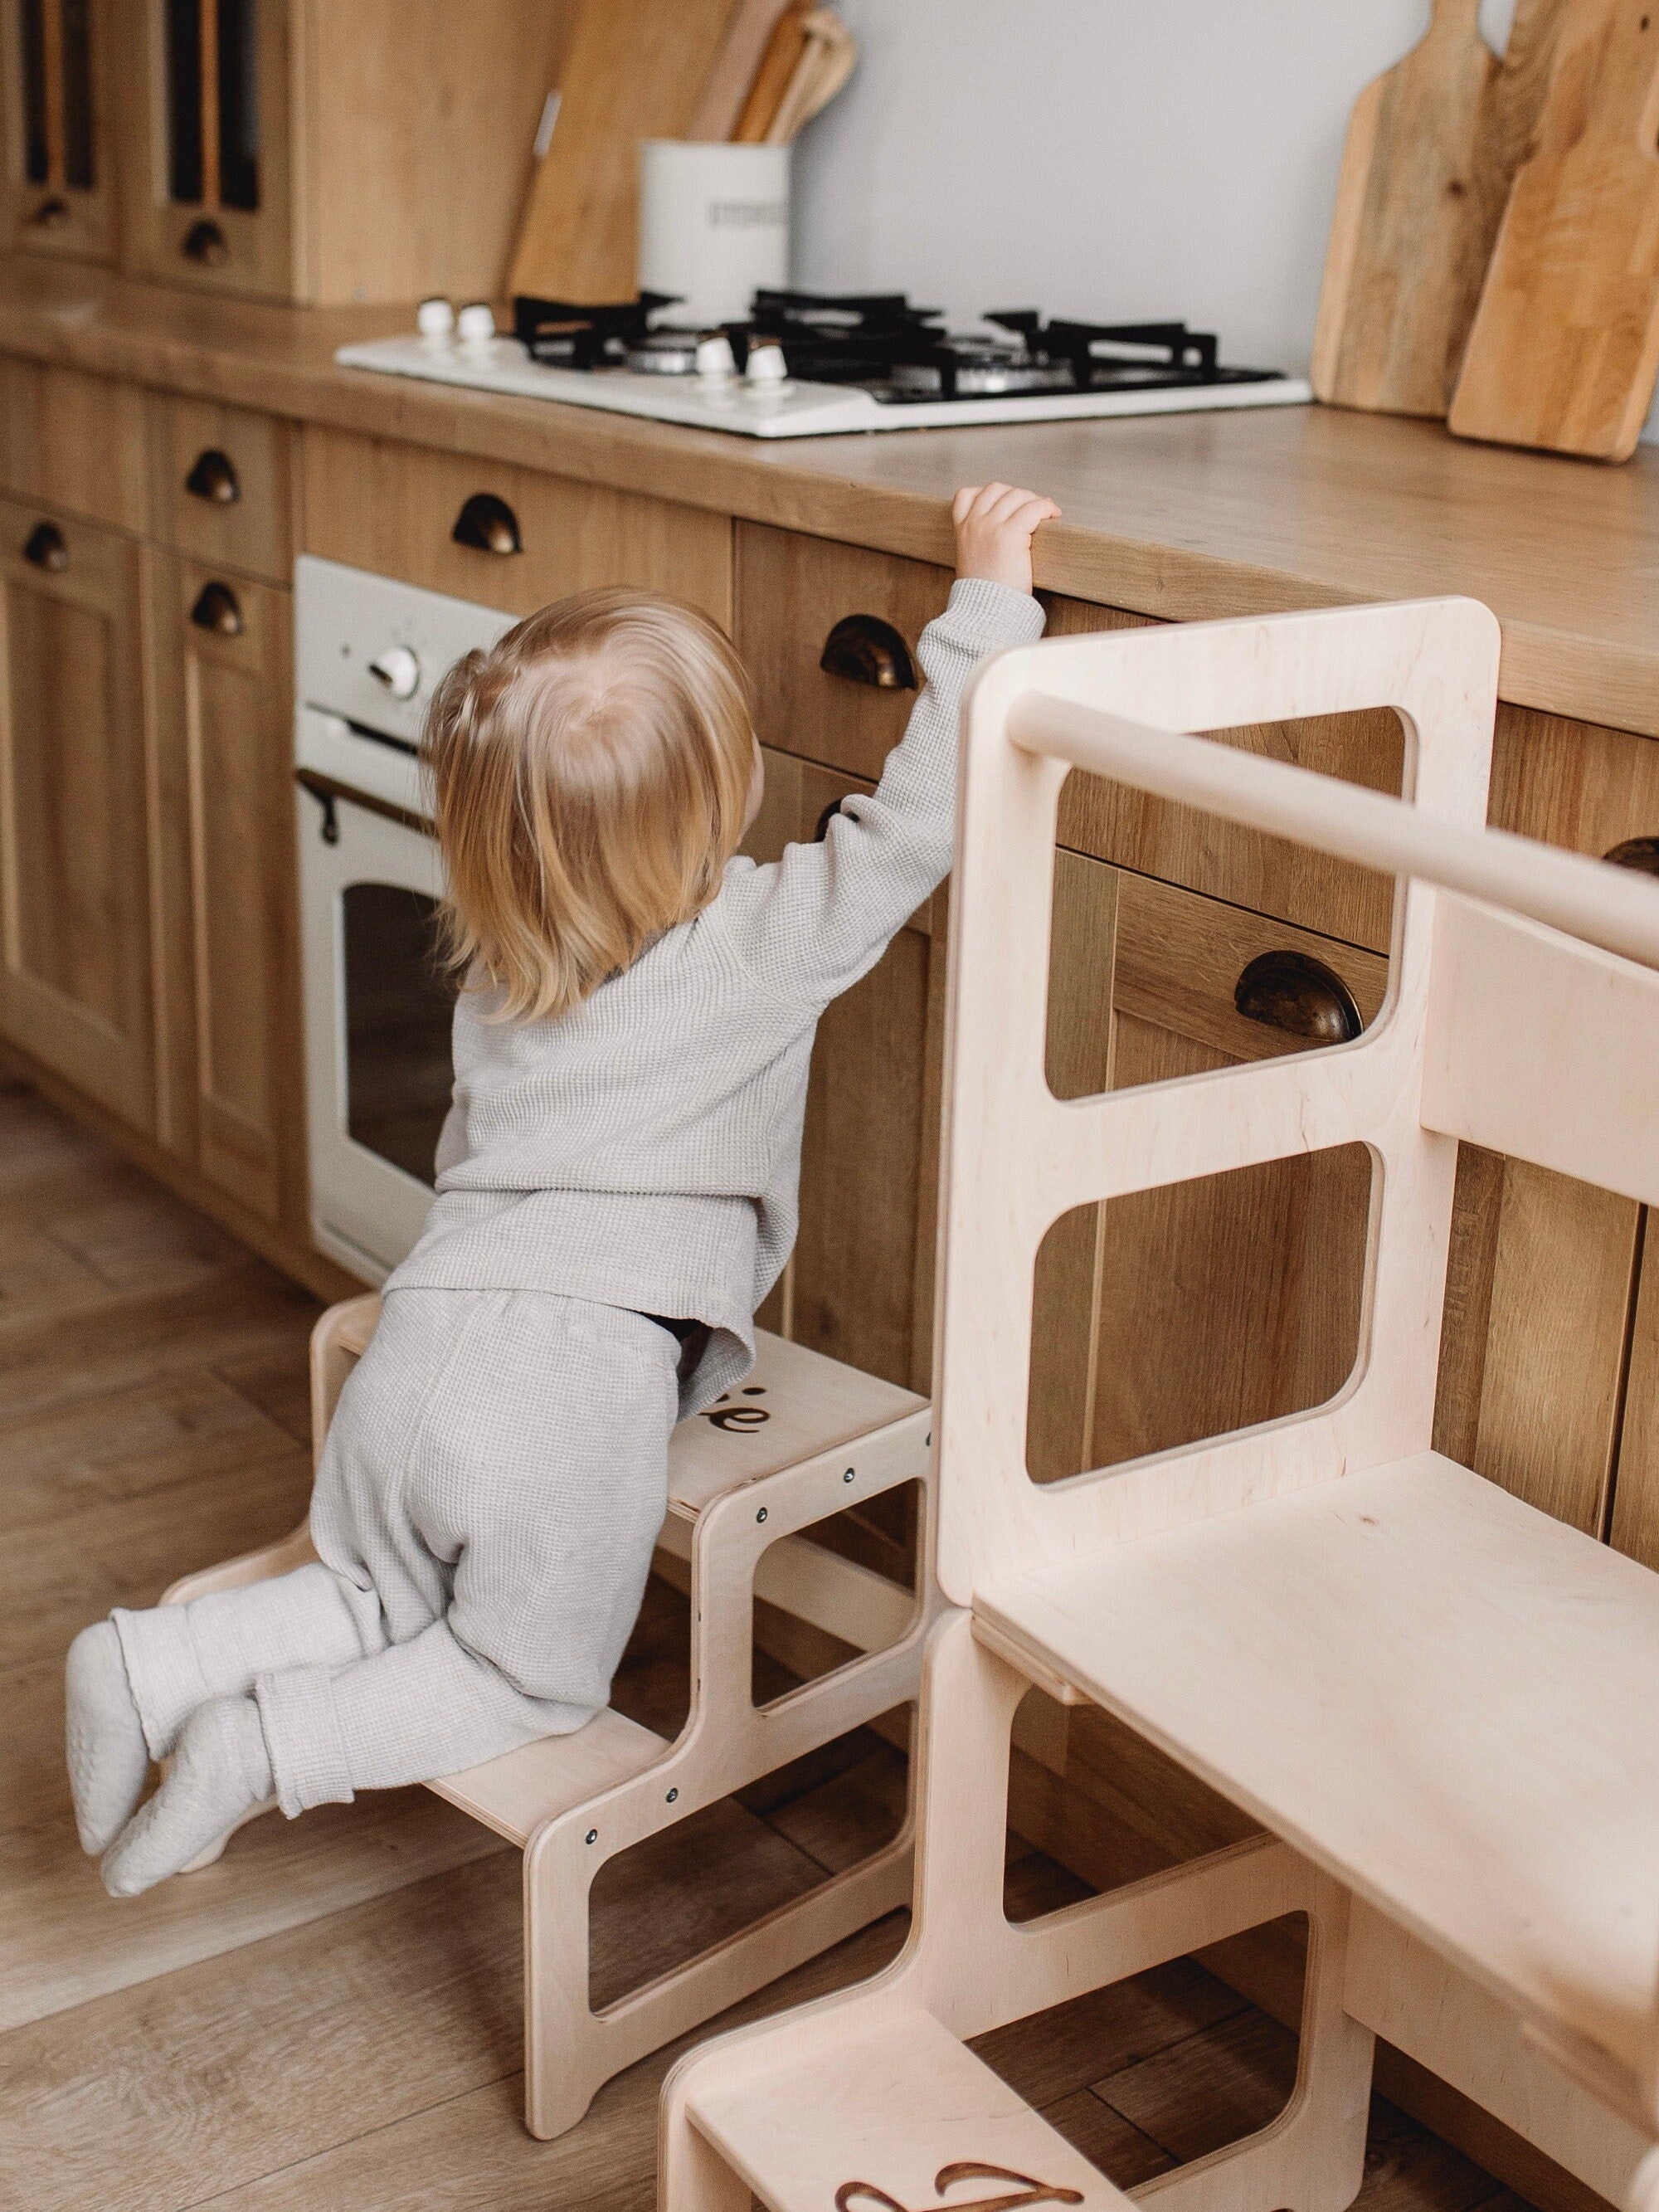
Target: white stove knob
(474,324)
(435,321)
(766,363)
(715,358)
(398,670)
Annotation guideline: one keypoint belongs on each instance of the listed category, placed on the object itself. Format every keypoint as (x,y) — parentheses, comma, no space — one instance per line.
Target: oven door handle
(328,795)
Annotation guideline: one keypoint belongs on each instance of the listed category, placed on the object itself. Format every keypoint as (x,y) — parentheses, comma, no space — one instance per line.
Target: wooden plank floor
(330,2016)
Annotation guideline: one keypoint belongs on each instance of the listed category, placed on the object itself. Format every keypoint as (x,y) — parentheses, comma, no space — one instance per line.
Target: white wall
(1106,159)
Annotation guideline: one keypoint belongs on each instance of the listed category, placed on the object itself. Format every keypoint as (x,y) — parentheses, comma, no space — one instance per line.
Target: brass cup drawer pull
(213,478)
(489,525)
(1295,993)
(218,610)
(44,547)
(824,820)
(206,244)
(867,650)
(1641,853)
(51,214)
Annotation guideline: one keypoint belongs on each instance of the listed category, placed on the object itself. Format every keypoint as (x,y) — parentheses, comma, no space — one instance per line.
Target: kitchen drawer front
(1200,1308)
(74,441)
(222,484)
(374,503)
(1575,784)
(1184,964)
(792,592)
(1267,874)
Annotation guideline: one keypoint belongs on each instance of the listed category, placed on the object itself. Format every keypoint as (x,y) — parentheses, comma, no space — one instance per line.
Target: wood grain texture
(791,592)
(377,505)
(64,219)
(76,987)
(419,142)
(1413,220)
(1184,517)
(76,441)
(1635,1527)
(227,984)
(633,69)
(265,1967)
(725,89)
(1431,149)
(252,532)
(1566,341)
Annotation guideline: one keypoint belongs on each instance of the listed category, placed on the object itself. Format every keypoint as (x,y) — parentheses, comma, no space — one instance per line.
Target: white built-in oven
(377,1005)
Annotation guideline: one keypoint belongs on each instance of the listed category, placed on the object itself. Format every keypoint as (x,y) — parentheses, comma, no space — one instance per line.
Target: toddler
(616,1194)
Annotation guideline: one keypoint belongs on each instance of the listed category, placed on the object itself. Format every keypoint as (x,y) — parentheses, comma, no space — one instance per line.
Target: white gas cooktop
(791,408)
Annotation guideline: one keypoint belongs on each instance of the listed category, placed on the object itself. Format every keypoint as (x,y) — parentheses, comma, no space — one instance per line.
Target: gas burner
(562,335)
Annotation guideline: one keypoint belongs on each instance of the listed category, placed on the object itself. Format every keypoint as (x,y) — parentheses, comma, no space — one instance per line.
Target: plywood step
(899,2113)
(515,1793)
(1438,1693)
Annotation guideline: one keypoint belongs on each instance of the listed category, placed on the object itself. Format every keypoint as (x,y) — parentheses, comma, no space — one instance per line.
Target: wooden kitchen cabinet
(792,593)
(1177,1314)
(327,151)
(1534,1354)
(221,484)
(503,536)
(74,990)
(74,441)
(230,1097)
(58,157)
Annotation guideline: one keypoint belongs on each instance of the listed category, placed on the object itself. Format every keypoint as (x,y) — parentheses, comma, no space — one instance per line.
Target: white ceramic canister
(714,225)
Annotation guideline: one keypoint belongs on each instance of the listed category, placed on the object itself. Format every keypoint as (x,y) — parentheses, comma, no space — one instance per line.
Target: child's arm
(819,918)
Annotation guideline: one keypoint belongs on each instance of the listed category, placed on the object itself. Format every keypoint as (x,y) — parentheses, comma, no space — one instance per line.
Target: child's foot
(219,1773)
(108,1758)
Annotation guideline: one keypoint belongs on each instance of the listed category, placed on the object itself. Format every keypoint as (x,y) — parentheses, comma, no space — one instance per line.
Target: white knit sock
(219,1772)
(108,1758)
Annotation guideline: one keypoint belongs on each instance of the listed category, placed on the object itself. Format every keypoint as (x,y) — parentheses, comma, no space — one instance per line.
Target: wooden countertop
(1180,516)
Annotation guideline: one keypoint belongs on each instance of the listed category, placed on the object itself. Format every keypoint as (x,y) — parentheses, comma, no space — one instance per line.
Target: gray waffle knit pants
(490,1491)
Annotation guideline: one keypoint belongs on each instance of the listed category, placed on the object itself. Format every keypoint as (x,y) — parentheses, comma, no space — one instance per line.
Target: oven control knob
(766,363)
(435,321)
(474,324)
(398,670)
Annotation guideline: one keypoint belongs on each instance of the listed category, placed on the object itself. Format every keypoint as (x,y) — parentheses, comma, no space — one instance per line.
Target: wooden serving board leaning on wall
(633,69)
(1431,147)
(1565,345)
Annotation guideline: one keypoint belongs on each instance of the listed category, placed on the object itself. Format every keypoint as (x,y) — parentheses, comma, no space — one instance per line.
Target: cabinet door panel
(791,592)
(56,182)
(76,986)
(850,1288)
(207,199)
(230,1090)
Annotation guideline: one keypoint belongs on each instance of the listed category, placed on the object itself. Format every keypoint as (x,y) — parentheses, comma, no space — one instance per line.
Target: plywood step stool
(1441,1705)
(804,1439)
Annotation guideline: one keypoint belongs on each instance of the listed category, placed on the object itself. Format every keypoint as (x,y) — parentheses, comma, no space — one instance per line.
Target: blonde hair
(591,774)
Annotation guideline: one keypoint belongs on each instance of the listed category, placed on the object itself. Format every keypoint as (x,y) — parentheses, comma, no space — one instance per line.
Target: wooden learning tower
(1439,1703)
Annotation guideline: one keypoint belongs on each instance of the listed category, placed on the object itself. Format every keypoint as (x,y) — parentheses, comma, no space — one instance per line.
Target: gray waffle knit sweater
(643,1150)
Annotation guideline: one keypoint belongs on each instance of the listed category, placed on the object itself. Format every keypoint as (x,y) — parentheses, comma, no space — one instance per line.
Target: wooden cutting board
(633,69)
(1431,149)
(1566,342)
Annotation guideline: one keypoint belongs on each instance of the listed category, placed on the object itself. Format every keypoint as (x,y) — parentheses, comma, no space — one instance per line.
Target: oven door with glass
(378,1007)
